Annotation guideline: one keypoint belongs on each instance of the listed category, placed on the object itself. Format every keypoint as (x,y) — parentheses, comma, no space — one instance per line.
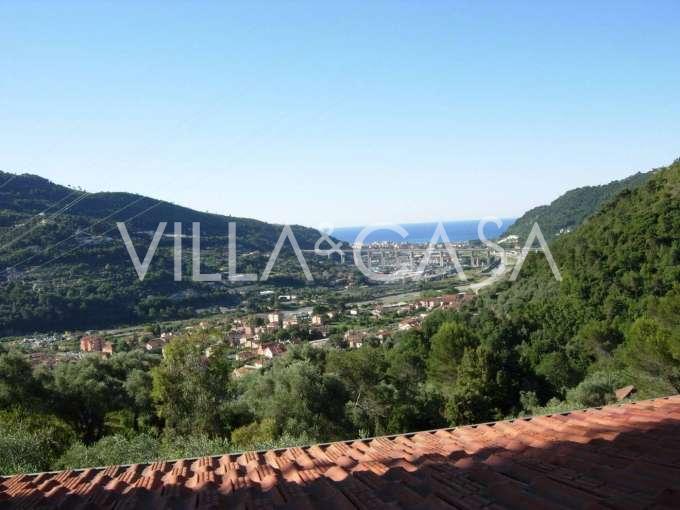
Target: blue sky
(344,113)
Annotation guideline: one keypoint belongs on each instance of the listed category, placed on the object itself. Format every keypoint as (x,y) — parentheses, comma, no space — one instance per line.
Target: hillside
(25,196)
(613,320)
(63,263)
(571,209)
(533,346)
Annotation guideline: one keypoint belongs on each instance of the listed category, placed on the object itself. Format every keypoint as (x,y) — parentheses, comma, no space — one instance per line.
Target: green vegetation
(64,264)
(571,209)
(533,346)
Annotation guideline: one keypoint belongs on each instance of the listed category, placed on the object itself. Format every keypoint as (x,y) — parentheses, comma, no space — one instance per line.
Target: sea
(457,231)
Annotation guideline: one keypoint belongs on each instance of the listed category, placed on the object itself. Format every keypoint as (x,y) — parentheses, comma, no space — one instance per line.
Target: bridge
(410,257)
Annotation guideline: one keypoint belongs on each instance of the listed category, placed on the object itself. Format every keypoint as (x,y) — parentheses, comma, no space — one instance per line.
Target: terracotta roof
(621,456)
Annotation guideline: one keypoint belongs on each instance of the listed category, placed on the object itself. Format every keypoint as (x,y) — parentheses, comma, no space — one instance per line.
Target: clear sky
(340,112)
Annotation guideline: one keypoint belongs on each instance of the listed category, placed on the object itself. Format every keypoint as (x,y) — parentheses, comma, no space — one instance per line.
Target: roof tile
(622,456)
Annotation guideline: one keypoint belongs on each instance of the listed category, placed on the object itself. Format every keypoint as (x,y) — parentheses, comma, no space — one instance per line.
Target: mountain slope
(63,263)
(613,320)
(571,209)
(24,196)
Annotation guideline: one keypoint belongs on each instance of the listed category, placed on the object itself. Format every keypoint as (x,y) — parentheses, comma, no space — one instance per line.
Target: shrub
(31,442)
(257,432)
(116,449)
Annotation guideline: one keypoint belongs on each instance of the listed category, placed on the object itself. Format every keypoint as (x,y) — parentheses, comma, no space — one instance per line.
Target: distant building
(408,324)
(154,345)
(271,350)
(383,335)
(236,336)
(91,344)
(290,322)
(355,338)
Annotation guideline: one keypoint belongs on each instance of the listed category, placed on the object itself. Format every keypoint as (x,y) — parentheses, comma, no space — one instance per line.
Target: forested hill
(571,209)
(22,197)
(533,346)
(612,321)
(63,263)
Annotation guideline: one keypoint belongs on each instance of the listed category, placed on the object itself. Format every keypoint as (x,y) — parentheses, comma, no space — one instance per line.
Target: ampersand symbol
(326,237)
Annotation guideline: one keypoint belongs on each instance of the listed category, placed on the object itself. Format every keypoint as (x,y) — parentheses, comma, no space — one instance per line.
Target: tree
(474,395)
(18,387)
(190,389)
(138,387)
(85,392)
(448,346)
(299,399)
(654,350)
(31,442)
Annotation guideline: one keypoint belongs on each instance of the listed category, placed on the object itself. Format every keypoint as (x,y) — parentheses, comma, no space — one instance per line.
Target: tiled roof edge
(349,441)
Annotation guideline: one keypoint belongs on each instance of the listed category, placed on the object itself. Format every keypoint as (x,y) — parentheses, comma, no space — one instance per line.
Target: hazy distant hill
(568,211)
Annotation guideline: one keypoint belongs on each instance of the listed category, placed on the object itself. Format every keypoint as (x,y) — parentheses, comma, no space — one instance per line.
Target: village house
(405,309)
(154,344)
(383,335)
(455,301)
(317,320)
(235,336)
(91,344)
(271,350)
(250,342)
(107,348)
(274,318)
(290,322)
(96,344)
(355,338)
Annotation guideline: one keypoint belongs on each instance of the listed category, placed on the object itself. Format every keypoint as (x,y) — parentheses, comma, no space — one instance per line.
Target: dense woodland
(532,346)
